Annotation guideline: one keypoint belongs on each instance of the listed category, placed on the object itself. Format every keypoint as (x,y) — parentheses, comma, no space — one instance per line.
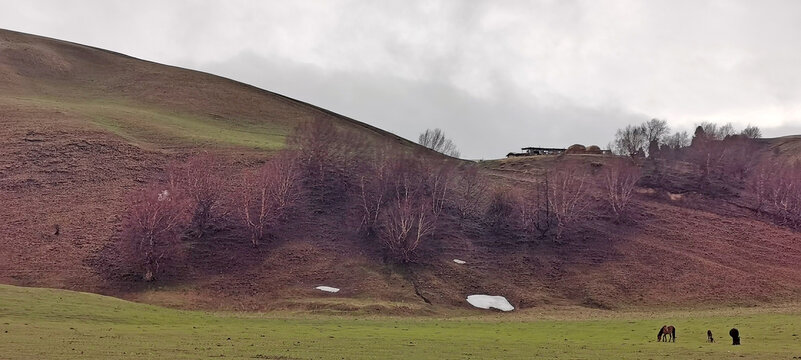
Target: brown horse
(665,332)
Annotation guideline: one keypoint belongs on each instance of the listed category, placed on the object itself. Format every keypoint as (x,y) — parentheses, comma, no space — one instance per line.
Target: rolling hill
(81,127)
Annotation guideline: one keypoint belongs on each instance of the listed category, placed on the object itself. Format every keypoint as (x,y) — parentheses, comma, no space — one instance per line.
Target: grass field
(45,323)
(148,125)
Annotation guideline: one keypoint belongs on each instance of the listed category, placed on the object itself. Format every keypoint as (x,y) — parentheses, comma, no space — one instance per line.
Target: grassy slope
(44,323)
(152,103)
(153,127)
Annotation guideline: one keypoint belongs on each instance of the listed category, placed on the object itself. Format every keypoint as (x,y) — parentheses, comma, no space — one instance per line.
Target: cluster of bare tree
(161,214)
(400,196)
(198,179)
(268,193)
(654,136)
(402,201)
(327,158)
(777,189)
(156,219)
(620,177)
(312,170)
(723,155)
(637,139)
(562,199)
(720,132)
(436,140)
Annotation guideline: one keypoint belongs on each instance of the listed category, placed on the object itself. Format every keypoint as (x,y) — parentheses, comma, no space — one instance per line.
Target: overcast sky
(494,75)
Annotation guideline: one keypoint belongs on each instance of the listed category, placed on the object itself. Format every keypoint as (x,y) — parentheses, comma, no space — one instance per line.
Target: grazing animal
(666,332)
(735,336)
(709,337)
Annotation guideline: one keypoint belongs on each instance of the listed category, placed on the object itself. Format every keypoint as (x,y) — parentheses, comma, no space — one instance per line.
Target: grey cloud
(516,72)
(482,128)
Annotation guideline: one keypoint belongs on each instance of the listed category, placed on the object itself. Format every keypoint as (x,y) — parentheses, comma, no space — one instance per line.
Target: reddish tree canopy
(402,200)
(156,218)
(268,193)
(620,177)
(568,197)
(200,180)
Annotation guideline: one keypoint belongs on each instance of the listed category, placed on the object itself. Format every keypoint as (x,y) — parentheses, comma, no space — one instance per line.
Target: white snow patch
(459,261)
(487,302)
(327,289)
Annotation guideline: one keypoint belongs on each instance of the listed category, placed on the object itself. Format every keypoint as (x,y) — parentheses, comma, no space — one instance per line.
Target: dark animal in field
(735,336)
(666,332)
(709,337)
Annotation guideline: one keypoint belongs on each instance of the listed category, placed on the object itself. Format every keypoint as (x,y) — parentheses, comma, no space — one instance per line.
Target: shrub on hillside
(470,192)
(268,193)
(777,189)
(200,180)
(374,183)
(156,218)
(328,157)
(558,202)
(620,177)
(568,198)
(502,210)
(402,200)
(436,140)
(728,160)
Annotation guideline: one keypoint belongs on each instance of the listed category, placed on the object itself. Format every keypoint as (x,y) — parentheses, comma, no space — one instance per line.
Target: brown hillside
(81,127)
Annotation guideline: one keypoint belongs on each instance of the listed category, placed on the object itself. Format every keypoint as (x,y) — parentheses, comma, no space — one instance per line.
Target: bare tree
(620,177)
(328,158)
(156,218)
(200,180)
(436,140)
(567,196)
(751,132)
(777,186)
(534,213)
(374,186)
(503,209)
(407,203)
(267,195)
(725,130)
(678,140)
(630,140)
(470,192)
(740,155)
(407,221)
(656,130)
(721,154)
(715,132)
(758,183)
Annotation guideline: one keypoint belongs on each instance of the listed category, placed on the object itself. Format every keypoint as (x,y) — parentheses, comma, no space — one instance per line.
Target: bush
(402,201)
(328,158)
(156,218)
(502,210)
(199,179)
(267,194)
(620,177)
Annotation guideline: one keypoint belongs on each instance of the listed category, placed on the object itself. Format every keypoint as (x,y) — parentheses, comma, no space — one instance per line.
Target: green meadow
(148,125)
(57,324)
